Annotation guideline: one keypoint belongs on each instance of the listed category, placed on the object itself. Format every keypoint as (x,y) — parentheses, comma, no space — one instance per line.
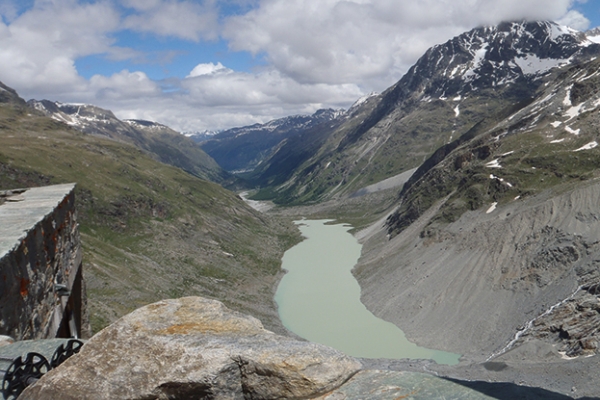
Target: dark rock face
(242,149)
(9,95)
(571,326)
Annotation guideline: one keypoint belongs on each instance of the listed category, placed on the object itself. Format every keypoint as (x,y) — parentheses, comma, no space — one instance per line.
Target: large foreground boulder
(193,348)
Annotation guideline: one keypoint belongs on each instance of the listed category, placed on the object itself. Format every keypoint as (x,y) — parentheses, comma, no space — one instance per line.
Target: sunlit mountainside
(149,230)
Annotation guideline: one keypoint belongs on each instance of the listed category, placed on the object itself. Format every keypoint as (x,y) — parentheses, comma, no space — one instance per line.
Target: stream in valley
(319,299)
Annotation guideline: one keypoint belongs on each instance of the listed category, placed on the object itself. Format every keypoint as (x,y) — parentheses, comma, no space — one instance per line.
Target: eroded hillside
(493,247)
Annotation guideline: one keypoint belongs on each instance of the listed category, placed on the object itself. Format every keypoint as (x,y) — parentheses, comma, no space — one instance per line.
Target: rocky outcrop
(194,348)
(571,326)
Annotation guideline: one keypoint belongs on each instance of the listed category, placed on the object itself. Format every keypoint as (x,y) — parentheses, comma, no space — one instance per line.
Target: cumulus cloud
(39,48)
(317,53)
(208,69)
(268,87)
(575,20)
(369,41)
(124,85)
(182,19)
(216,96)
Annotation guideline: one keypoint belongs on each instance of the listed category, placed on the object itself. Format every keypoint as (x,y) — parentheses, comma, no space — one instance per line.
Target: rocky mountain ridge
(243,149)
(539,138)
(162,142)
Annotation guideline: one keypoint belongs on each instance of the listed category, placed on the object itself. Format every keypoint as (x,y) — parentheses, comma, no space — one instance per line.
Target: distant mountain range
(162,142)
(201,136)
(243,149)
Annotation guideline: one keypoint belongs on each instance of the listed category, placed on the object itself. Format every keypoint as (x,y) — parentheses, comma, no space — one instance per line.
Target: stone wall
(42,293)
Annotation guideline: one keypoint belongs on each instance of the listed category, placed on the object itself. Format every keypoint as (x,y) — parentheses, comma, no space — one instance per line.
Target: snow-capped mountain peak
(496,55)
(362,100)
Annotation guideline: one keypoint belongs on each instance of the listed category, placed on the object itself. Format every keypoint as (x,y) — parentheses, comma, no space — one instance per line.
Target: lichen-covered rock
(194,348)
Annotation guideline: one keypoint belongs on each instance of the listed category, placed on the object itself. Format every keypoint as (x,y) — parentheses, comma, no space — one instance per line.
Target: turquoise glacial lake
(319,299)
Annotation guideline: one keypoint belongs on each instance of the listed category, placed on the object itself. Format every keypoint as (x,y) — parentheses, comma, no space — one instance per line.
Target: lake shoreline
(319,298)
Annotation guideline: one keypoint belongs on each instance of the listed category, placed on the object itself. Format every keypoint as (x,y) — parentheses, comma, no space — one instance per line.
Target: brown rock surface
(194,348)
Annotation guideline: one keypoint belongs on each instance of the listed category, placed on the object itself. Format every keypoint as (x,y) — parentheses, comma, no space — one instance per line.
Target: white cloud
(39,48)
(228,98)
(208,69)
(8,10)
(268,87)
(124,85)
(575,20)
(142,5)
(318,53)
(371,41)
(182,19)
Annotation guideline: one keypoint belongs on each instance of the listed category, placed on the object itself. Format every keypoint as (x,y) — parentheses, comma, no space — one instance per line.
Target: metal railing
(24,372)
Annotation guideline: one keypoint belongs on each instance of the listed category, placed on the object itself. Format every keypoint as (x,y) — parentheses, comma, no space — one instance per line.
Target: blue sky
(591,9)
(213,64)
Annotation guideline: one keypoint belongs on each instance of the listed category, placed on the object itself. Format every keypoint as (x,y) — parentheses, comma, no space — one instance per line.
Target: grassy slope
(149,231)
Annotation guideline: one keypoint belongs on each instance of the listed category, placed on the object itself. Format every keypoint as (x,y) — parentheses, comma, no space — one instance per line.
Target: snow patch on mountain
(470,74)
(496,56)
(560,30)
(501,180)
(531,64)
(492,208)
(494,164)
(572,131)
(142,124)
(588,146)
(363,99)
(573,112)
(594,39)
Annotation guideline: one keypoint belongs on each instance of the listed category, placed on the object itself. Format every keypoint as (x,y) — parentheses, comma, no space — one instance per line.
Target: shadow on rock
(511,391)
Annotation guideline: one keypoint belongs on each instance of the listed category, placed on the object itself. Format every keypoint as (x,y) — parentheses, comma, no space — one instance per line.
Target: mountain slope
(496,237)
(163,143)
(149,230)
(243,149)
(454,88)
(533,148)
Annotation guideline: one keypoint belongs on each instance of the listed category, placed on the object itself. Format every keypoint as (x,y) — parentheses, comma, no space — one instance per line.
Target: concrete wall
(42,292)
